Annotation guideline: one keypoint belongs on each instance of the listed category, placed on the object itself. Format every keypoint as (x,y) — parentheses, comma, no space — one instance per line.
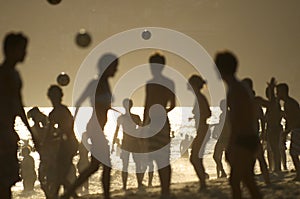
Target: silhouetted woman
(201,106)
(101,101)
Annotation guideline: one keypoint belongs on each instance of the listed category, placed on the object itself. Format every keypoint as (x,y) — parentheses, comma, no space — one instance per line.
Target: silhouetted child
(28,173)
(184,146)
(196,83)
(130,144)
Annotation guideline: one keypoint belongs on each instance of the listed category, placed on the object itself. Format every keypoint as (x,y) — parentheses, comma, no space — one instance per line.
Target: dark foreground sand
(282,188)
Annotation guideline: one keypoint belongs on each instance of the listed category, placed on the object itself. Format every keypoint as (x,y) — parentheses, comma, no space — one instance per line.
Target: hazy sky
(265,35)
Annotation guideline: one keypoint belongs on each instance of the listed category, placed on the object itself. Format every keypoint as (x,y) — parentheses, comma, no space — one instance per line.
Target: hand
(272,83)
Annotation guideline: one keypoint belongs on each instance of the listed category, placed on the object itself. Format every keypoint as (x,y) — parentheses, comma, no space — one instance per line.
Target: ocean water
(182,170)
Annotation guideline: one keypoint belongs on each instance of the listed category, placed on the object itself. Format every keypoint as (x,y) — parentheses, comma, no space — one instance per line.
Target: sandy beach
(282,187)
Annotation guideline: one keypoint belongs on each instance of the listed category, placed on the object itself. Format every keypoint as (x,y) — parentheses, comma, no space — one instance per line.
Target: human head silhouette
(108,65)
(196,82)
(227,64)
(127,104)
(55,94)
(282,91)
(157,63)
(249,84)
(14,47)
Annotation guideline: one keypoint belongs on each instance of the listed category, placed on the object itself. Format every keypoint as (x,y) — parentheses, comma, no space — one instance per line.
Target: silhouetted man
(62,127)
(11,106)
(160,90)
(273,127)
(201,114)
(259,122)
(101,101)
(244,141)
(292,116)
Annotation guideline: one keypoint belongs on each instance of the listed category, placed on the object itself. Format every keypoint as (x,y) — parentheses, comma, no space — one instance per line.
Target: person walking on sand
(292,116)
(101,101)
(11,106)
(223,139)
(244,141)
(196,84)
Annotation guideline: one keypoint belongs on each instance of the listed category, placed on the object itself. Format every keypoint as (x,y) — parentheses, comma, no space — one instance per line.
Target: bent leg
(83,177)
(263,164)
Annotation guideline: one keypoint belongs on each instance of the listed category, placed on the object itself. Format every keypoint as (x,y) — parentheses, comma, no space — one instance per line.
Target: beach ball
(83,38)
(54,2)
(146,34)
(63,79)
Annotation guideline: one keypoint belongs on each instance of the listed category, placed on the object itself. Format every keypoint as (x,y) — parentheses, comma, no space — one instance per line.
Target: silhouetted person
(243,144)
(259,121)
(292,115)
(28,173)
(45,141)
(62,126)
(101,101)
(160,90)
(39,128)
(201,114)
(273,127)
(83,161)
(223,139)
(11,105)
(184,146)
(130,144)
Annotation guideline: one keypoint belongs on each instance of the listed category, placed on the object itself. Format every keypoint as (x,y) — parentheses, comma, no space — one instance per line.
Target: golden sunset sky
(265,36)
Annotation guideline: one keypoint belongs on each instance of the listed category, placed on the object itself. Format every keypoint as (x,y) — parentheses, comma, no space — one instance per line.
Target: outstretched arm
(85,94)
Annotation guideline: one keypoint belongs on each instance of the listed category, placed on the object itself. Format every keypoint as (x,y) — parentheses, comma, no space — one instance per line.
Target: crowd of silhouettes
(244,133)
